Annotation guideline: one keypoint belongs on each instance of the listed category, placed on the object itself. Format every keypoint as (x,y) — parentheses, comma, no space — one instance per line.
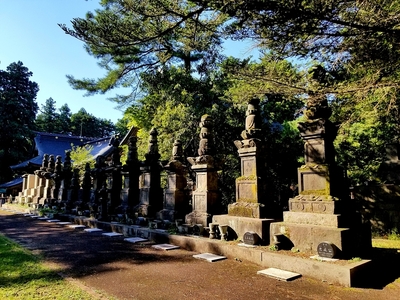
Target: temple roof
(57,144)
(14,182)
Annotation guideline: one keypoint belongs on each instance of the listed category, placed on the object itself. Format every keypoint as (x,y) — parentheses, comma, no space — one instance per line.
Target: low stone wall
(380,204)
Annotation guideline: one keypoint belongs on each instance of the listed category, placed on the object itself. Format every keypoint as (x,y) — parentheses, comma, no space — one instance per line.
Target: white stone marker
(209,257)
(77,226)
(92,230)
(165,247)
(64,223)
(135,240)
(53,221)
(112,234)
(279,274)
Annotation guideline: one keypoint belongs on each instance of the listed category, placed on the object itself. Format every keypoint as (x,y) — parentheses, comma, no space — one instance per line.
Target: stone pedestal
(238,226)
(150,195)
(39,190)
(205,197)
(175,200)
(48,186)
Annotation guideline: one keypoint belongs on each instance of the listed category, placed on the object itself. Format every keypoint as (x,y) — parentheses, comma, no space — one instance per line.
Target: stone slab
(92,230)
(279,274)
(209,257)
(43,218)
(28,215)
(246,245)
(64,223)
(112,234)
(135,240)
(53,221)
(320,258)
(77,226)
(35,217)
(165,247)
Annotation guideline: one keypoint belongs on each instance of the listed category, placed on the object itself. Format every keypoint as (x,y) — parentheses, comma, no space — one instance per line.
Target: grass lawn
(24,276)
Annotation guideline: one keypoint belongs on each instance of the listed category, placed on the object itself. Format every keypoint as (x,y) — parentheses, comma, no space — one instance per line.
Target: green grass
(386,244)
(24,276)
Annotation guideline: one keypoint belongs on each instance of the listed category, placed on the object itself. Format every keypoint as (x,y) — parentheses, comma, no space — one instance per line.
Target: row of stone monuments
(321,218)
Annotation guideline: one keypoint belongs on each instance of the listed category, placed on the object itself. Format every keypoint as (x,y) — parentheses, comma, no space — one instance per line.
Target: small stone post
(205,197)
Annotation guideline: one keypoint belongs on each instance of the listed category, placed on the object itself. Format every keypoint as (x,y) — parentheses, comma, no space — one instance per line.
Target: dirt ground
(111,267)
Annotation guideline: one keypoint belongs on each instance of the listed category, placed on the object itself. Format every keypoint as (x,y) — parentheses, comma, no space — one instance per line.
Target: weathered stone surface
(246,209)
(322,207)
(328,220)
(241,225)
(196,217)
(307,237)
(246,191)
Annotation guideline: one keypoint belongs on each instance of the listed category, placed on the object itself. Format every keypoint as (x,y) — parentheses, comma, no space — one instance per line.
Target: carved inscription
(326,249)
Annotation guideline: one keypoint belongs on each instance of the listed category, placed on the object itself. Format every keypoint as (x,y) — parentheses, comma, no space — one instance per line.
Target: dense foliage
(354,47)
(168,53)
(17,115)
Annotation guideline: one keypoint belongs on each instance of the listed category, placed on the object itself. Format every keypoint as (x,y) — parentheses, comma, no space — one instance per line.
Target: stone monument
(322,212)
(205,195)
(130,173)
(175,201)
(249,212)
(150,196)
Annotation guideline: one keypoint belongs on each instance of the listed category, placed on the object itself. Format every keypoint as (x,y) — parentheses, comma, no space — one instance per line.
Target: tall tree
(17,114)
(64,120)
(46,121)
(85,124)
(130,37)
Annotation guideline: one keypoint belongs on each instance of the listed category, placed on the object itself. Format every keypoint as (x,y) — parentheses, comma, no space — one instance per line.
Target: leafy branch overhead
(140,36)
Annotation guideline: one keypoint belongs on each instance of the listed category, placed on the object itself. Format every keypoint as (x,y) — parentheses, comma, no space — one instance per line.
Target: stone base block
(321,207)
(307,238)
(246,209)
(195,218)
(166,215)
(241,225)
(326,220)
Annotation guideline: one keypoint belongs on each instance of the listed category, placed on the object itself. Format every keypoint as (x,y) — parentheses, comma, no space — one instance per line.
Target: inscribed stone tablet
(326,249)
(250,238)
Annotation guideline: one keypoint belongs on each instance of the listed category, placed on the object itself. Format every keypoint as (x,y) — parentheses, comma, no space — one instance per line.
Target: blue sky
(29,33)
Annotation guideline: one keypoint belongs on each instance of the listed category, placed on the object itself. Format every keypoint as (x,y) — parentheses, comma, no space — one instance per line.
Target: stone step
(279,274)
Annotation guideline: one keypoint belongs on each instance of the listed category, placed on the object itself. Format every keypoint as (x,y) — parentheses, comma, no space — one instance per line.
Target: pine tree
(18,108)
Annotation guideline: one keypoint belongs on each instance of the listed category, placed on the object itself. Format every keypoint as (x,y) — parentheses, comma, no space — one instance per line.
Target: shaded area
(137,271)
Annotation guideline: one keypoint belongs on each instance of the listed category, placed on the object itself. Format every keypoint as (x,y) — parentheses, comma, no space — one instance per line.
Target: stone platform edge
(350,274)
